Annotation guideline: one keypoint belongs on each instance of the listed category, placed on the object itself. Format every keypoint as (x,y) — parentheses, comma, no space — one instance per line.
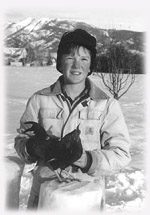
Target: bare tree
(117,83)
(117,74)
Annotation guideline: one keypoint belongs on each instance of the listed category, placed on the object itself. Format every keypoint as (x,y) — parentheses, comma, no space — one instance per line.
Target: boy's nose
(76,63)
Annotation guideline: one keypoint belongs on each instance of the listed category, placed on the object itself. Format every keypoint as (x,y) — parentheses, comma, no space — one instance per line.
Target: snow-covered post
(14,167)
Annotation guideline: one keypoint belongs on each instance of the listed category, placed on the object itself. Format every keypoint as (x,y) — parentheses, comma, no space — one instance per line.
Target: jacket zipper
(71,108)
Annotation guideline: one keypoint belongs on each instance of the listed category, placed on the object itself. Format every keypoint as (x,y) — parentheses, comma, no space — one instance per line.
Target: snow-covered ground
(126,190)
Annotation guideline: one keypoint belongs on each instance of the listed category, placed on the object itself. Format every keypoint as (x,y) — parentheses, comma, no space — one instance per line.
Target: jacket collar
(95,92)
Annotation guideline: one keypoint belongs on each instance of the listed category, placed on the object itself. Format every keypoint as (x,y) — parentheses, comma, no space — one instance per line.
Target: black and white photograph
(74,131)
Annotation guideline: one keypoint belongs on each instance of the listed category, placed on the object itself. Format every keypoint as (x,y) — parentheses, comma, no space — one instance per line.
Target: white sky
(122,14)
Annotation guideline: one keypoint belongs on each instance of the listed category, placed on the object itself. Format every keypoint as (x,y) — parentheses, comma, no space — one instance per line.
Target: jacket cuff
(94,163)
(89,162)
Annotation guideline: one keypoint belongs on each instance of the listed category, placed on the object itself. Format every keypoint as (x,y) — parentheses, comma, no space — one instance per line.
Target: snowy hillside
(47,32)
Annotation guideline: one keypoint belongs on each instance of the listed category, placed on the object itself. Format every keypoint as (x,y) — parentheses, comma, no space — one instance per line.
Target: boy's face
(75,66)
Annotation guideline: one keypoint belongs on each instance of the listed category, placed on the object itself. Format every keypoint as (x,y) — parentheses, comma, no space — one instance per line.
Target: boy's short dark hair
(76,38)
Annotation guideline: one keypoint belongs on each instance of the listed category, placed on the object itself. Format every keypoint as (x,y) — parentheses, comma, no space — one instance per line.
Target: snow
(125,191)
(106,33)
(128,192)
(130,41)
(25,22)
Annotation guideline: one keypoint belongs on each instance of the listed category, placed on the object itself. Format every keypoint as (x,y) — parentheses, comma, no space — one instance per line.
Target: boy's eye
(69,57)
(84,59)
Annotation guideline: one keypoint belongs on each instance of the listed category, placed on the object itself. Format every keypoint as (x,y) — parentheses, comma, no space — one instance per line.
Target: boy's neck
(74,90)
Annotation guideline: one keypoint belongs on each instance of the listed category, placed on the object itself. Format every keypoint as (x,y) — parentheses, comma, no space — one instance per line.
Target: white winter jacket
(103,129)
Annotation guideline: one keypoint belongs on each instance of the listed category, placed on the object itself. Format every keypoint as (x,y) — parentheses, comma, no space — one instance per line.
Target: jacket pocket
(90,114)
(51,113)
(52,120)
(90,123)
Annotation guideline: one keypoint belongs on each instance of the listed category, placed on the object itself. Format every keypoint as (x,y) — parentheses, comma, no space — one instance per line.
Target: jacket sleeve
(30,114)
(114,140)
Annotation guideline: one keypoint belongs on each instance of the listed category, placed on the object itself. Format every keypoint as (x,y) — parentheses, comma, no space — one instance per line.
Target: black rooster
(52,151)
(39,147)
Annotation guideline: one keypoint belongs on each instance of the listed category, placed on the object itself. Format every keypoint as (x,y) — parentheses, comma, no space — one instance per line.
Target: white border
(80,5)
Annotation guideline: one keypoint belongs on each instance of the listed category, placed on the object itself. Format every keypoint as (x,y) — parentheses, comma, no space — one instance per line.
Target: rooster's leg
(58,176)
(69,177)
